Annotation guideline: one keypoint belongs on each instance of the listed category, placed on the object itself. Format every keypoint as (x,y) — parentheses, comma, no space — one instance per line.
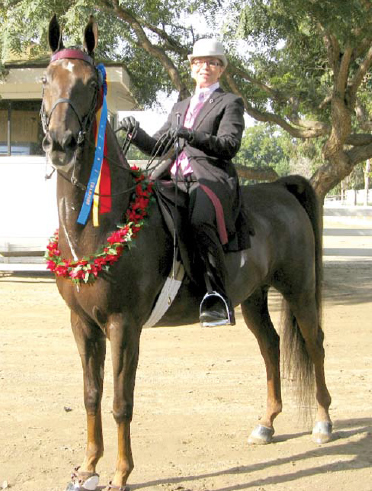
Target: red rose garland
(86,270)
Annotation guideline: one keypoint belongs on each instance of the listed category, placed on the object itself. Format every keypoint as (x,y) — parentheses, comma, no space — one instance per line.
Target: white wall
(358,197)
(28,207)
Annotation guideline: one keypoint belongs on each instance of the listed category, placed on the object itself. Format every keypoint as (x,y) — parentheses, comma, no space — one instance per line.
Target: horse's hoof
(83,481)
(261,435)
(322,432)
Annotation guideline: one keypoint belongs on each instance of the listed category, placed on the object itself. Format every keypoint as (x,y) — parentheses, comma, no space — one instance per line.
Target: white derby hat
(208,47)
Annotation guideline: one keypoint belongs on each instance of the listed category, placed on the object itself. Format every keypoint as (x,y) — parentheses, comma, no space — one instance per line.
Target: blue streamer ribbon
(98,156)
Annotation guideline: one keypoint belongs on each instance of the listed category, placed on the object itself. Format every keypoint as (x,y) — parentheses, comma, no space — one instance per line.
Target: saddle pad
(167,295)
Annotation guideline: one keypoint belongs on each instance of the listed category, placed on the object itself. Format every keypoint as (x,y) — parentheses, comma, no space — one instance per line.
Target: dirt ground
(199,393)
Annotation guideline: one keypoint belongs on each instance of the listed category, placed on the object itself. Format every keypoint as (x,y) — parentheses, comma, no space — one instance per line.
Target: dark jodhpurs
(202,222)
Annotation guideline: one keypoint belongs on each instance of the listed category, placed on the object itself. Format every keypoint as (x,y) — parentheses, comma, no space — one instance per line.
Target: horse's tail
(296,360)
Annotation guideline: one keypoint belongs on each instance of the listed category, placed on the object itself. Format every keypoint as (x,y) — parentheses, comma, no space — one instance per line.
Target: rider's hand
(129,124)
(185,133)
(168,138)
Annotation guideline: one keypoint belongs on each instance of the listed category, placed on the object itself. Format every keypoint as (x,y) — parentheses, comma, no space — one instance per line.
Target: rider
(208,129)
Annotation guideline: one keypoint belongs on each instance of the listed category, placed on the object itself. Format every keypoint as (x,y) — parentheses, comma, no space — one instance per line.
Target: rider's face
(206,71)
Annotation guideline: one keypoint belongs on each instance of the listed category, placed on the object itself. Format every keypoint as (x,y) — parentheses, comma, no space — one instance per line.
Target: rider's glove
(129,124)
(186,134)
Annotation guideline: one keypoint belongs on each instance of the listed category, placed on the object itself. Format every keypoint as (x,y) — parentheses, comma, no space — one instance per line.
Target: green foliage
(25,24)
(263,146)
(267,146)
(288,50)
(284,59)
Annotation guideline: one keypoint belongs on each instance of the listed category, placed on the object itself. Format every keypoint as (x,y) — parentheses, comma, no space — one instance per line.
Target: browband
(72,54)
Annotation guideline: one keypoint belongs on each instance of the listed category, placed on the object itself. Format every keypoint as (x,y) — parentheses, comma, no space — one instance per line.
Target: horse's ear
(55,35)
(91,36)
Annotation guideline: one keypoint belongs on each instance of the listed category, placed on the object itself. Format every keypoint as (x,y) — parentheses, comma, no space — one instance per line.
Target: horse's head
(70,92)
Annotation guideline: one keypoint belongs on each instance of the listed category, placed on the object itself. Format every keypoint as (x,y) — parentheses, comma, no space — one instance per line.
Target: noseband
(85,121)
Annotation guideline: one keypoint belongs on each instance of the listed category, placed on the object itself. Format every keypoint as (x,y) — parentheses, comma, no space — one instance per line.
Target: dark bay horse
(285,253)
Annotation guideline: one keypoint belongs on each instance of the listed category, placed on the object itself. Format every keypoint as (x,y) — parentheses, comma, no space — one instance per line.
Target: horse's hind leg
(91,344)
(306,316)
(257,317)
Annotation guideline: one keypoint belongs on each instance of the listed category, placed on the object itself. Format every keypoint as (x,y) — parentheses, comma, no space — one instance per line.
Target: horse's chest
(87,300)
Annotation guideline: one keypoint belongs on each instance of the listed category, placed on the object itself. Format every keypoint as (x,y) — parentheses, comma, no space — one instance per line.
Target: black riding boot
(216,308)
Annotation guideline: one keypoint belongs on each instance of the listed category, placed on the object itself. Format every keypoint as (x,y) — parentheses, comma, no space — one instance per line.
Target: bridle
(86,121)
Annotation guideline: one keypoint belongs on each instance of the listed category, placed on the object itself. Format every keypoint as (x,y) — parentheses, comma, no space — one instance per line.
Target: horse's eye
(93,84)
(43,80)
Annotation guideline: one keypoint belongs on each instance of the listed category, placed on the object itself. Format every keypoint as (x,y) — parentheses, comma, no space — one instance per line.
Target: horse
(285,253)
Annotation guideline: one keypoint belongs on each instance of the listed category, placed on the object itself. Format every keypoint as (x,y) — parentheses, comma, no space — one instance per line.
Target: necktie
(194,111)
(182,165)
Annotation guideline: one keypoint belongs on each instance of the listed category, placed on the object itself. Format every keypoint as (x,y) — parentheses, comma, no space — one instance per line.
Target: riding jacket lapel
(182,109)
(208,106)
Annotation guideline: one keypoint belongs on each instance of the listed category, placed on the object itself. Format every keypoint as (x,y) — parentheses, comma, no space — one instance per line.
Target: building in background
(28,208)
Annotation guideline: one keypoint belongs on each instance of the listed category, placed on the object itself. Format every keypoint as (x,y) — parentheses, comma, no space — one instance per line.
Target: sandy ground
(199,393)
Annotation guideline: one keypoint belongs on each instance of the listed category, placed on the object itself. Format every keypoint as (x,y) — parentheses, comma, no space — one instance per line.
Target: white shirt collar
(207,91)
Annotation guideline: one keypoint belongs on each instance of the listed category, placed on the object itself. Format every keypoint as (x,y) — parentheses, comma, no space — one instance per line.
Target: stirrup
(210,317)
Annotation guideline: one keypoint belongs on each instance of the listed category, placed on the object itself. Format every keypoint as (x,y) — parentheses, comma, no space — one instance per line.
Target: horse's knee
(92,401)
(123,412)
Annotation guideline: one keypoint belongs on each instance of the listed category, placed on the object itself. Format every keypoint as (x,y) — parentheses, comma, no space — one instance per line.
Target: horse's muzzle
(60,149)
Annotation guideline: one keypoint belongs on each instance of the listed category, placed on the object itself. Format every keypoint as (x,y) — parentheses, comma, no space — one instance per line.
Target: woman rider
(208,129)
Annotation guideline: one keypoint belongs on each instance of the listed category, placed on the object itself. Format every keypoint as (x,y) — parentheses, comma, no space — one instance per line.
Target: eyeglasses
(211,63)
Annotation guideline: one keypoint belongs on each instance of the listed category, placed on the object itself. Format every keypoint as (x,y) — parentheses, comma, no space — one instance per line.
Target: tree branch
(359,140)
(170,43)
(257,174)
(333,49)
(357,155)
(274,94)
(343,71)
(143,41)
(268,117)
(359,76)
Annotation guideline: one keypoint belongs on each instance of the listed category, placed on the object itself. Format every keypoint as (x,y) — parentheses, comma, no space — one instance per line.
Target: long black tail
(297,362)
(305,194)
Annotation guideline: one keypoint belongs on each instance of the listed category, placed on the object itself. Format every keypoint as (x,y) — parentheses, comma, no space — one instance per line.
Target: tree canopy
(302,65)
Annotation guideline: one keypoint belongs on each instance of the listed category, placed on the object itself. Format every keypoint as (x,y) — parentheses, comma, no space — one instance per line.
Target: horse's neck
(76,240)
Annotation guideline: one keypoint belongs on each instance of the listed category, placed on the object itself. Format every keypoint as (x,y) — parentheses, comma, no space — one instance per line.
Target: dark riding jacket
(217,134)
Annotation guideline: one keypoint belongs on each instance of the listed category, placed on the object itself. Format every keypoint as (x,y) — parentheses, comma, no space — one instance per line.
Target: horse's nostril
(47,143)
(53,142)
(69,142)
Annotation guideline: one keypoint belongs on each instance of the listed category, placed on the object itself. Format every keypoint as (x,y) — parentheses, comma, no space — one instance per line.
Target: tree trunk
(337,164)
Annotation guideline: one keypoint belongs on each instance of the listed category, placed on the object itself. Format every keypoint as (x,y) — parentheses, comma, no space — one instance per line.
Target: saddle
(214,309)
(173,207)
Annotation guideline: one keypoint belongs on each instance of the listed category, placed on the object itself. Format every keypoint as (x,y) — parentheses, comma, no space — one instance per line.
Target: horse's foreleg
(256,315)
(91,344)
(125,349)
